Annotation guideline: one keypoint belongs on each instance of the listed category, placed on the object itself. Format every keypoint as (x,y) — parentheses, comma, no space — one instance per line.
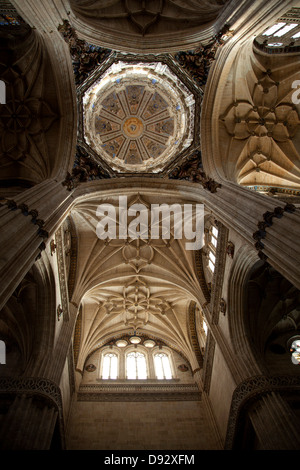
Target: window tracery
(136,365)
(110,366)
(126,361)
(162,366)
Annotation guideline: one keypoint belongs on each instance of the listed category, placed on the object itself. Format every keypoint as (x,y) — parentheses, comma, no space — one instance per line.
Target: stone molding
(208,361)
(193,333)
(197,62)
(244,261)
(60,256)
(139,392)
(250,390)
(85,57)
(244,33)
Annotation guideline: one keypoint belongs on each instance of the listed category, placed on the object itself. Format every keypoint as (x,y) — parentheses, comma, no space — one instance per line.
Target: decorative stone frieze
(32,385)
(142,391)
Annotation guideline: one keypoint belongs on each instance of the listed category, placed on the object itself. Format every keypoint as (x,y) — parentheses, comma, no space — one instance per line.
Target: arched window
(212,246)
(136,365)
(162,366)
(110,366)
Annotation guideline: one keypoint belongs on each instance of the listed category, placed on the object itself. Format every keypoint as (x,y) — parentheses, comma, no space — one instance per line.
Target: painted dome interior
(138,116)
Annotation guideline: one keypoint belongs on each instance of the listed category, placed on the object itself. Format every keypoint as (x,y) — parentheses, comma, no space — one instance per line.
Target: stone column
(28,425)
(26,223)
(275,424)
(271,226)
(122,359)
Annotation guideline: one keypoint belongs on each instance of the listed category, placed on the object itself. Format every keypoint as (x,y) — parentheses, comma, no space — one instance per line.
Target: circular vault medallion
(133,127)
(137,117)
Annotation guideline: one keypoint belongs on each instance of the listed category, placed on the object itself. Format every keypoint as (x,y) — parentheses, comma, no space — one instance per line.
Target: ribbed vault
(127,285)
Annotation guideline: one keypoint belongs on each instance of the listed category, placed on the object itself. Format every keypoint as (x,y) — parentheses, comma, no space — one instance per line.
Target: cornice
(139,392)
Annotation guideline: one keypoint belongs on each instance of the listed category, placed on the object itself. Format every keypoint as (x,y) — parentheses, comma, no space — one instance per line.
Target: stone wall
(140,425)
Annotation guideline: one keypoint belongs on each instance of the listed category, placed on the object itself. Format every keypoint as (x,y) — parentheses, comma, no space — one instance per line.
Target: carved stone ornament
(85,169)
(259,122)
(59,312)
(223,306)
(250,389)
(52,247)
(230,249)
(85,57)
(191,170)
(197,62)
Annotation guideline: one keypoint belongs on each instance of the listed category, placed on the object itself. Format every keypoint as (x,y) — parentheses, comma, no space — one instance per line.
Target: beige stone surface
(144,425)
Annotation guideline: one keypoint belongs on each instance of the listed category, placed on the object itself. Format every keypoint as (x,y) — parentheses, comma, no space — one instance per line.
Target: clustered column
(275,424)
(15,434)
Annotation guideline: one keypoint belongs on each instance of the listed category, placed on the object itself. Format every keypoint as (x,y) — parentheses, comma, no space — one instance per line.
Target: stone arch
(33,303)
(153,30)
(244,261)
(264,314)
(39,108)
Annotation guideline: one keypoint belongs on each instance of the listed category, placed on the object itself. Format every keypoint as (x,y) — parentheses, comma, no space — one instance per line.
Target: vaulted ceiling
(128,285)
(139,115)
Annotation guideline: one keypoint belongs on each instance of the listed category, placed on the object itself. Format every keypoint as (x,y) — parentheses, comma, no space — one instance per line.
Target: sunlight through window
(136,366)
(162,366)
(273,29)
(110,366)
